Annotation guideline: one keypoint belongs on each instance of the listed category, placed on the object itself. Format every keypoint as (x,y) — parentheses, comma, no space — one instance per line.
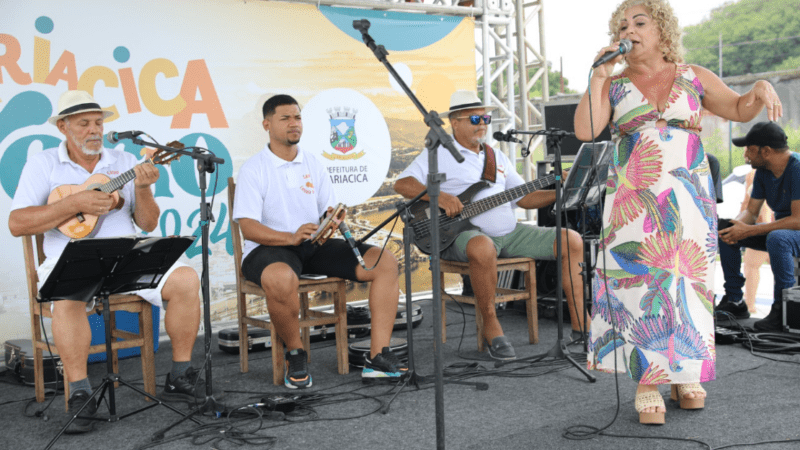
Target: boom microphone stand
(559,350)
(205,164)
(404,211)
(436,136)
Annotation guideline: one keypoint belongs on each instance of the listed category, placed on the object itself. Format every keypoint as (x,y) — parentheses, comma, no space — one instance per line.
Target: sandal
(646,400)
(680,390)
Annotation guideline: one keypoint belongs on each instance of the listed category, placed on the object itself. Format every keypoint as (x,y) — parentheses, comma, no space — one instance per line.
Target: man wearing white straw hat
(80,155)
(496,233)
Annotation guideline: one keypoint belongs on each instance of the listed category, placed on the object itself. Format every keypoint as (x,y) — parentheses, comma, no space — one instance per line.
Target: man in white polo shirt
(281,194)
(497,232)
(80,155)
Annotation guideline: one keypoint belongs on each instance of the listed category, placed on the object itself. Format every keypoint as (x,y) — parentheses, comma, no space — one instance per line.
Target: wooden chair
(502,295)
(308,316)
(121,302)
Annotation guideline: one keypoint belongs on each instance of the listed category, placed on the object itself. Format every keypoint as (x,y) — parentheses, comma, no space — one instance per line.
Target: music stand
(559,350)
(584,187)
(100,267)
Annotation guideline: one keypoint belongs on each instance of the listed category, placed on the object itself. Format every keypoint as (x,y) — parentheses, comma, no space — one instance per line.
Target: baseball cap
(763,134)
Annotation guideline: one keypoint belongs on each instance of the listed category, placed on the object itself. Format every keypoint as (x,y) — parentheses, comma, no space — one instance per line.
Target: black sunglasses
(476,119)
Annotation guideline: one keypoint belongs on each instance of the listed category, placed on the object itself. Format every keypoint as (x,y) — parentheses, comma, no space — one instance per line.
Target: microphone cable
(584,432)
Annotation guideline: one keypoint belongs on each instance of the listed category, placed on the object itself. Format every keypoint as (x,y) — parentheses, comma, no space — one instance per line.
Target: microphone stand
(559,350)
(206,162)
(436,136)
(404,211)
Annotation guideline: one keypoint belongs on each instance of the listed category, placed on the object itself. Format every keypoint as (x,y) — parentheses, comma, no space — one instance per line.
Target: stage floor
(525,406)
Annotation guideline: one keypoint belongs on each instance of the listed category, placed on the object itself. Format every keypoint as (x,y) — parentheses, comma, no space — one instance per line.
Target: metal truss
(506,55)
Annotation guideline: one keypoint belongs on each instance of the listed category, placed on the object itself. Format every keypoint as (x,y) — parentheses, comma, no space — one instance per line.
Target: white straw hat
(76,102)
(461,100)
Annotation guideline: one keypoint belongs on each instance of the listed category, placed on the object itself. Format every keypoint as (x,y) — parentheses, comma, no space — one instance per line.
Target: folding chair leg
(277,356)
(148,357)
(479,326)
(38,371)
(340,310)
(244,342)
(531,307)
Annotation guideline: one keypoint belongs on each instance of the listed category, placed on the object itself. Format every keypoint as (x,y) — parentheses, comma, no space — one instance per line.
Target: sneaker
(773,321)
(296,374)
(187,388)
(737,310)
(83,423)
(384,367)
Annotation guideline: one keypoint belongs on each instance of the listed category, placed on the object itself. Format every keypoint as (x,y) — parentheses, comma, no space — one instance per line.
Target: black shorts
(335,259)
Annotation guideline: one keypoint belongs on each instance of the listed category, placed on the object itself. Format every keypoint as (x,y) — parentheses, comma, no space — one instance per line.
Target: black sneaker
(773,321)
(384,367)
(295,373)
(83,423)
(187,388)
(737,310)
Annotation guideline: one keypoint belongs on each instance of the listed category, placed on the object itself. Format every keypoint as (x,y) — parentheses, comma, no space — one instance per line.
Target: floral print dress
(653,286)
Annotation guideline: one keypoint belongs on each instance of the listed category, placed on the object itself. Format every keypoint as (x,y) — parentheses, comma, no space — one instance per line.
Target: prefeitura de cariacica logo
(343,137)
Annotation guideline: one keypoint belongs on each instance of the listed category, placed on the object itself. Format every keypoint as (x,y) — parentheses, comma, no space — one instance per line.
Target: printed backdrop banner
(198,72)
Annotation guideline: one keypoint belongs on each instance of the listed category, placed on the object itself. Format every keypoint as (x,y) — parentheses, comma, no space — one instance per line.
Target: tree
(766,34)
(554,82)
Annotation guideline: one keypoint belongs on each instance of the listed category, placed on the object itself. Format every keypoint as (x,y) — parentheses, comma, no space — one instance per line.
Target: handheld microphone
(506,137)
(114,137)
(625,45)
(345,230)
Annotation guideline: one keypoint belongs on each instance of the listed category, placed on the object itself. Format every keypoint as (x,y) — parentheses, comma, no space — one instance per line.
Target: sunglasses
(476,119)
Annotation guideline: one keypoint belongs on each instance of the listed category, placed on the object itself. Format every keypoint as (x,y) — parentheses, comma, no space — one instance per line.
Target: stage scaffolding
(506,56)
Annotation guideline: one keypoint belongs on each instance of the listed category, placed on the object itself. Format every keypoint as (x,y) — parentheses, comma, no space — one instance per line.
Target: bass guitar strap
(489,165)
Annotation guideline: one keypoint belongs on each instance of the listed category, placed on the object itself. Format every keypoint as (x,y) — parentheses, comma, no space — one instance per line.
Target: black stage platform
(753,400)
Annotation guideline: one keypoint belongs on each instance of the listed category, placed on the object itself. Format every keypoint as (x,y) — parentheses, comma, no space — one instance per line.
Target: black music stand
(559,350)
(90,268)
(584,187)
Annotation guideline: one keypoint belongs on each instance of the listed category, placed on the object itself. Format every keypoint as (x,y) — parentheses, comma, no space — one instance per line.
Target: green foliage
(794,138)
(554,82)
(743,22)
(789,64)
(717,145)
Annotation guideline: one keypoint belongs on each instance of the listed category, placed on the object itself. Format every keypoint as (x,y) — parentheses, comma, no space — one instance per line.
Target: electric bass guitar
(451,227)
(82,224)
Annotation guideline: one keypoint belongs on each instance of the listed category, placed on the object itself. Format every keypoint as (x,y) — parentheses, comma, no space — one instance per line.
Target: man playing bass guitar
(495,232)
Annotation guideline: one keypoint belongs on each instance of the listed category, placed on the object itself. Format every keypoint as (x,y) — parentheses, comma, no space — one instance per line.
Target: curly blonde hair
(664,16)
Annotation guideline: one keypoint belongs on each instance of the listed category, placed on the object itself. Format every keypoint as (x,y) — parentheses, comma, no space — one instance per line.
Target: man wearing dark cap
(777,181)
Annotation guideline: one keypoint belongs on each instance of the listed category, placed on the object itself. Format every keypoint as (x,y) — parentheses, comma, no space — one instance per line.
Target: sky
(574,39)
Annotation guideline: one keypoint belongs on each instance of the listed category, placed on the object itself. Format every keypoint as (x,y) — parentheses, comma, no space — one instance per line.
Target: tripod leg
(99,389)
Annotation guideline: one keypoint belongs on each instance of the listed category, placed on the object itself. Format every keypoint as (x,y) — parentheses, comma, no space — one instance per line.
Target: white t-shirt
(280,194)
(495,222)
(52,168)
